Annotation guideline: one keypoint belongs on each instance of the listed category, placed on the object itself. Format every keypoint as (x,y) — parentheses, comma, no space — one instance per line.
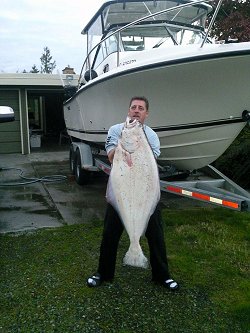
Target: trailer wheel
(72,160)
(81,175)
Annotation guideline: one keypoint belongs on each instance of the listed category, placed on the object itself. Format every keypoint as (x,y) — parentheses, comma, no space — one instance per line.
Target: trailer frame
(207,184)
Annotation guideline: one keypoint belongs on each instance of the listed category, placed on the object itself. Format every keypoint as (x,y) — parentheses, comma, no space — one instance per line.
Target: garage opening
(46,121)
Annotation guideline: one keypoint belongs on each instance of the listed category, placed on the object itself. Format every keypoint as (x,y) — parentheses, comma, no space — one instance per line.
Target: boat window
(133,43)
(145,38)
(100,56)
(110,45)
(94,37)
(140,38)
(186,37)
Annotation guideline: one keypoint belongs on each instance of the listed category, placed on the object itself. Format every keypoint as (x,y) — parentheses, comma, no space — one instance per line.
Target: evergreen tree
(47,66)
(34,69)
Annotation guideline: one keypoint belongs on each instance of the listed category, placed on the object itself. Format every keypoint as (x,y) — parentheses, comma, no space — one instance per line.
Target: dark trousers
(112,232)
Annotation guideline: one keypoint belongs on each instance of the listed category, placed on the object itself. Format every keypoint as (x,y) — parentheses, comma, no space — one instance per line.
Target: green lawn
(43,279)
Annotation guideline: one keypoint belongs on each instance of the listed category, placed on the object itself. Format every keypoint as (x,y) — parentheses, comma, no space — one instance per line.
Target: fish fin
(111,198)
(127,158)
(135,257)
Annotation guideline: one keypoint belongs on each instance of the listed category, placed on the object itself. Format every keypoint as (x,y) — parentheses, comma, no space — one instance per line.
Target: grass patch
(43,274)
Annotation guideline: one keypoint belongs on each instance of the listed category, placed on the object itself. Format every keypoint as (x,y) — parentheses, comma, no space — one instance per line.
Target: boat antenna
(212,22)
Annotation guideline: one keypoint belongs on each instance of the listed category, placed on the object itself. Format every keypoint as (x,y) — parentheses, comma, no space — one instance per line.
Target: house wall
(10,133)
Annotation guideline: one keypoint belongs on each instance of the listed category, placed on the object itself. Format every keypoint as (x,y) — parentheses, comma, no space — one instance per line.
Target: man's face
(138,110)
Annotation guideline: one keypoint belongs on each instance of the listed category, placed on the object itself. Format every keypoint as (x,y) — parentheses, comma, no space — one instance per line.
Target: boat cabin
(131,26)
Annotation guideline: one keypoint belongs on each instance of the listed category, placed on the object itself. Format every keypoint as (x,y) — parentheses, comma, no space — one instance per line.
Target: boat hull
(196,104)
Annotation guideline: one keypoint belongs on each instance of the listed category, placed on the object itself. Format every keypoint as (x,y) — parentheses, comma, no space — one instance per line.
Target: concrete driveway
(43,205)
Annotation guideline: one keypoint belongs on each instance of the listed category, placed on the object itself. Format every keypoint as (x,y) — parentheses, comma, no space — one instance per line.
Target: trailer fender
(87,161)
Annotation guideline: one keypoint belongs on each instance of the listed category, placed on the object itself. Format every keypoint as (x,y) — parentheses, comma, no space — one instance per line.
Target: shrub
(235,162)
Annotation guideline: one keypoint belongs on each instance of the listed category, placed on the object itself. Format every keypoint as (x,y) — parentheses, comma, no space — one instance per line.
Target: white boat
(198,90)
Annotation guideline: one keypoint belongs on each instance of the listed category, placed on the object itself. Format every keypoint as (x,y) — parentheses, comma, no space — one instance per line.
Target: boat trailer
(207,184)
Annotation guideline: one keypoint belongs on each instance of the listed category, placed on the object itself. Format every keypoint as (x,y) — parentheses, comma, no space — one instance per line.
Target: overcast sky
(27,26)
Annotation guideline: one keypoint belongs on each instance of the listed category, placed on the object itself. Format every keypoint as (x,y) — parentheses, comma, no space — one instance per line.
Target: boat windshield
(145,38)
(115,14)
(161,23)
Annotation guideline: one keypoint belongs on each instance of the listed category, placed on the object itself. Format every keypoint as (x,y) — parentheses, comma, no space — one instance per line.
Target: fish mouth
(132,121)
(135,119)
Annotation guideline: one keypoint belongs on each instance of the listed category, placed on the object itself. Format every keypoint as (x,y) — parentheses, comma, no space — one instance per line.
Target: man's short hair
(140,98)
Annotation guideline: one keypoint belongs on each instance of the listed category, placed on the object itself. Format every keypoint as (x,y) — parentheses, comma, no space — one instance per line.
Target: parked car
(6,114)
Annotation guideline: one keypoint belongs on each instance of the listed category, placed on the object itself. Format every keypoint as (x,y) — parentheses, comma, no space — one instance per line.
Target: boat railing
(212,22)
(117,31)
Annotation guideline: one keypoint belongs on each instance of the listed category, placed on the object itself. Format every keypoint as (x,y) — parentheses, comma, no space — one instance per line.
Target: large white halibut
(134,187)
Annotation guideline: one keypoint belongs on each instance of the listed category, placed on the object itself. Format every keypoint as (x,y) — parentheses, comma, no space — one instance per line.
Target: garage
(37,100)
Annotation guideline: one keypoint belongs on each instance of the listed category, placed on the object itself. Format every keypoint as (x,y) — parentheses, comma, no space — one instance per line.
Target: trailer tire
(81,175)
(72,160)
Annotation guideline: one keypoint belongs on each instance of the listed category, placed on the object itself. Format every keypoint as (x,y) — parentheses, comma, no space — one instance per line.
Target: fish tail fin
(135,257)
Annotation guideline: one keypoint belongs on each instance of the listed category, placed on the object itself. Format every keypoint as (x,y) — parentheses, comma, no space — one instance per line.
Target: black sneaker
(170,284)
(94,281)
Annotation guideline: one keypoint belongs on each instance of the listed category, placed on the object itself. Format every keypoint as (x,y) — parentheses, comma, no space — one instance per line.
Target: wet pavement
(26,207)
(42,204)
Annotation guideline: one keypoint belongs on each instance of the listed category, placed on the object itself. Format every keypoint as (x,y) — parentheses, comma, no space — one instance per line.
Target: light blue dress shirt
(115,131)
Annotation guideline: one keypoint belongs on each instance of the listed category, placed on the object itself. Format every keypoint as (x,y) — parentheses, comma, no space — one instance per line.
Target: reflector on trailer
(203,197)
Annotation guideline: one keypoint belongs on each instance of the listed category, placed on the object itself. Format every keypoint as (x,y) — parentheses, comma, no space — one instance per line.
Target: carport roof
(36,79)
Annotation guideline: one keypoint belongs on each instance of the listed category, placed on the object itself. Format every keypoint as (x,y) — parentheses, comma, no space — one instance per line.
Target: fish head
(130,123)
(131,135)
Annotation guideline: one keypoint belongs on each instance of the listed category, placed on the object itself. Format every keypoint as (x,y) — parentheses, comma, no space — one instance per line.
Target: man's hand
(111,155)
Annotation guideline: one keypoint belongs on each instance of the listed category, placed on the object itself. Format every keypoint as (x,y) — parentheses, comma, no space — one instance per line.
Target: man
(113,227)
